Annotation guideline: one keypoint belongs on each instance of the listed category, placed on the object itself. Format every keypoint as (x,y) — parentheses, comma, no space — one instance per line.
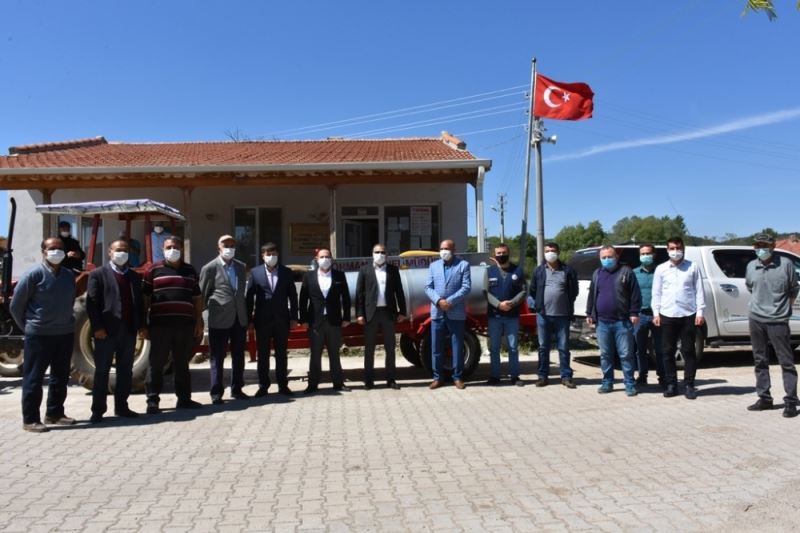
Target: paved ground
(483,459)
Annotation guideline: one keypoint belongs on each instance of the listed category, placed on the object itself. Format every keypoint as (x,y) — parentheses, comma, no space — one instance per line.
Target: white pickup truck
(723,270)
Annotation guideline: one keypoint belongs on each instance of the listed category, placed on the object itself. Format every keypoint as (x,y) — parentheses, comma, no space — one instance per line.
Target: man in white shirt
(678,303)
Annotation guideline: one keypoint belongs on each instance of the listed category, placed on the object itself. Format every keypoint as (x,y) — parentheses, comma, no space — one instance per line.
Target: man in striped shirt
(172,297)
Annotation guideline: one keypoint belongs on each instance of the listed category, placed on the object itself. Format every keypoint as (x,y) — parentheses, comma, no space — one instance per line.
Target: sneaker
(542,382)
(790,410)
(494,381)
(517,382)
(630,390)
(35,427)
(62,420)
(568,383)
(605,388)
(761,405)
(188,404)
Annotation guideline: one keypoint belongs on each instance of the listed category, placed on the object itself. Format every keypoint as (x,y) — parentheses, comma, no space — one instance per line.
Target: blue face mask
(646,260)
(763,253)
(608,262)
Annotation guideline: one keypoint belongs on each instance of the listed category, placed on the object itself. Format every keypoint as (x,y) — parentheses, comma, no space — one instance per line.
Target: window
(411,228)
(587,261)
(252,227)
(733,263)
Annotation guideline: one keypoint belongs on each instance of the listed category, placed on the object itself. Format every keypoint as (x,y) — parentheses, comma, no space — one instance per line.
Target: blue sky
(191,70)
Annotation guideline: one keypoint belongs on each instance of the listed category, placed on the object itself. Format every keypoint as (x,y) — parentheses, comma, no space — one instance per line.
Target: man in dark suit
(325,308)
(379,302)
(272,308)
(222,285)
(116,313)
(75,255)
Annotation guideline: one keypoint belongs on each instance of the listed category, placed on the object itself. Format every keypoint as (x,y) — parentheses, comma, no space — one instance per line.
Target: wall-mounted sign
(306,238)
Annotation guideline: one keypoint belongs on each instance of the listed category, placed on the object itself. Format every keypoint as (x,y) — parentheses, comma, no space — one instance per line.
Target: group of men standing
(629,307)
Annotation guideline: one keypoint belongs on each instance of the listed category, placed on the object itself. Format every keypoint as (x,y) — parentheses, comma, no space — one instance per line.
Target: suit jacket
(454,289)
(224,303)
(313,303)
(104,304)
(367,292)
(265,304)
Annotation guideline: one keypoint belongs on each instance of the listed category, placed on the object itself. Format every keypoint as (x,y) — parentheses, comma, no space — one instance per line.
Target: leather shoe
(125,413)
(341,388)
(35,427)
(240,395)
(518,382)
(153,409)
(188,404)
(393,385)
(217,400)
(542,382)
(260,393)
(641,381)
(62,420)
(690,392)
(789,410)
(459,384)
(493,381)
(435,384)
(286,391)
(761,405)
(96,418)
(310,390)
(568,383)
(671,391)
(368,385)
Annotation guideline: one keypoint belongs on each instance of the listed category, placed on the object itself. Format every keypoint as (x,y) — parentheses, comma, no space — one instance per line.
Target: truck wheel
(410,350)
(83,355)
(472,354)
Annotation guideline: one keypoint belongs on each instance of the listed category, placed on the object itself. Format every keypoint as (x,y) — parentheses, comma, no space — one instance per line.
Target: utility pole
(501,208)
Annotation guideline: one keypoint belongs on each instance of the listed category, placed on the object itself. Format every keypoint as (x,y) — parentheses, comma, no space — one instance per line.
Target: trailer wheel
(410,350)
(83,366)
(11,358)
(472,354)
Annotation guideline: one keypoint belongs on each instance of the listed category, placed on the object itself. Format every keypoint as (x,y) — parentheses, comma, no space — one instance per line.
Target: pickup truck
(723,270)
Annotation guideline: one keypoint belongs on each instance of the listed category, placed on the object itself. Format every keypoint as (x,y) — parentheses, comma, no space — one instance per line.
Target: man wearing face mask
(42,307)
(116,313)
(325,308)
(773,282)
(678,303)
(72,248)
(158,237)
(379,303)
(554,288)
(222,283)
(505,293)
(272,309)
(645,329)
(175,311)
(448,285)
(614,304)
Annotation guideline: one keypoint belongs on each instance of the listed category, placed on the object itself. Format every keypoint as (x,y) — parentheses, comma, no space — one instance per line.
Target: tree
(767,6)
(572,238)
(636,229)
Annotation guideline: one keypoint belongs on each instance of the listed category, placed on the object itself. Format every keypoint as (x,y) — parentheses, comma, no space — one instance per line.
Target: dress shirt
(324,279)
(272,277)
(230,270)
(678,290)
(380,273)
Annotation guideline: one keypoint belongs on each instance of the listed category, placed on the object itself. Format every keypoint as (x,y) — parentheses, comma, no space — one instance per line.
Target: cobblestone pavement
(483,459)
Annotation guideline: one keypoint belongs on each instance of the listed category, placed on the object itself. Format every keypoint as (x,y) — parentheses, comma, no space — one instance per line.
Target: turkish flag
(562,101)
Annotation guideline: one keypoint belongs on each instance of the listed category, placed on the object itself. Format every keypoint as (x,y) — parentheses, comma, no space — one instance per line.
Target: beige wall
(212,211)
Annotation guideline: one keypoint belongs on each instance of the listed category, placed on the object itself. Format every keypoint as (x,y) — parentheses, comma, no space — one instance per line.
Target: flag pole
(537,142)
(523,236)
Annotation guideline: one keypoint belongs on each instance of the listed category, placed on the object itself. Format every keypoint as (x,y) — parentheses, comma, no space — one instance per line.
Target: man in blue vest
(505,293)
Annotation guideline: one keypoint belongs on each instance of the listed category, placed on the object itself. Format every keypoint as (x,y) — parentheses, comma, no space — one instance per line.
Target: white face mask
(551,257)
(65,234)
(54,257)
(379,259)
(172,255)
(158,229)
(271,260)
(119,258)
(325,263)
(676,255)
(446,255)
(228,253)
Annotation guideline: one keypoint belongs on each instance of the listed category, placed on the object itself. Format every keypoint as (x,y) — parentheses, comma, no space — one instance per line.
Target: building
(348,194)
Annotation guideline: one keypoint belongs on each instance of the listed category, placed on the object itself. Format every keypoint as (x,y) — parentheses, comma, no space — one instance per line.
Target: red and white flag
(562,101)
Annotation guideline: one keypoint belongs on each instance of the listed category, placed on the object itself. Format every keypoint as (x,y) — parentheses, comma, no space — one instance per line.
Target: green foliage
(766,6)
(572,238)
(636,229)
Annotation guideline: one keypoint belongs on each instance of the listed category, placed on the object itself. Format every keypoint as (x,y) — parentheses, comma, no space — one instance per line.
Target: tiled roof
(791,244)
(97,152)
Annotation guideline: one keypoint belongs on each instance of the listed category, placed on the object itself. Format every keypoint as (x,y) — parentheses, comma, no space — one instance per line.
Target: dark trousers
(218,344)
(117,349)
(268,332)
(641,333)
(325,335)
(42,351)
(179,342)
(778,335)
(381,320)
(672,330)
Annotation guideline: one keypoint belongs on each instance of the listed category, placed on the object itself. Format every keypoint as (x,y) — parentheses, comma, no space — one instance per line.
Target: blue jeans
(508,327)
(616,336)
(641,332)
(41,352)
(550,327)
(439,330)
